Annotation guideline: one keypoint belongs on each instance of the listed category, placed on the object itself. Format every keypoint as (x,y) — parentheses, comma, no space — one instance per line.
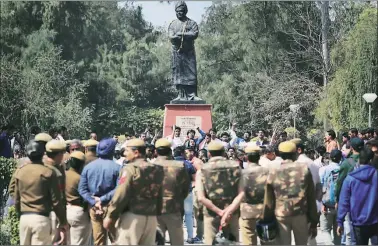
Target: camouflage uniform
(219,182)
(138,198)
(295,204)
(175,188)
(253,184)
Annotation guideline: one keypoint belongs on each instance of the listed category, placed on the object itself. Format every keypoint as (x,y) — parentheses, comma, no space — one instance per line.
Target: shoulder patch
(123,178)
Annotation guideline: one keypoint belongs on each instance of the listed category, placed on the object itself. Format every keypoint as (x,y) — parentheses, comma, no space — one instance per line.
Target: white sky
(162,13)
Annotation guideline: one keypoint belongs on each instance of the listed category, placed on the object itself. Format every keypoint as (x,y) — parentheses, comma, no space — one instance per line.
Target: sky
(162,13)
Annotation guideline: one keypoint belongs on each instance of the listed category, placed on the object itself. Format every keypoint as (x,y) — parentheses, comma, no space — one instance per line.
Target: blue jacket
(359,196)
(99,178)
(189,168)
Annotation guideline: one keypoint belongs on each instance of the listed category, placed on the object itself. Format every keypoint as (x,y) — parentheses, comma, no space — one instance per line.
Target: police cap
(78,155)
(55,146)
(215,146)
(162,143)
(136,142)
(287,147)
(42,137)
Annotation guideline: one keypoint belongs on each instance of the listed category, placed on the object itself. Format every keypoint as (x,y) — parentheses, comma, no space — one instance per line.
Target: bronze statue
(182,34)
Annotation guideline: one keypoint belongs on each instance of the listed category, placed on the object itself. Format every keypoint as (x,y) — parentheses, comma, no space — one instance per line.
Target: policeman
(41,139)
(77,209)
(251,196)
(137,199)
(55,150)
(90,150)
(294,192)
(217,186)
(175,189)
(36,194)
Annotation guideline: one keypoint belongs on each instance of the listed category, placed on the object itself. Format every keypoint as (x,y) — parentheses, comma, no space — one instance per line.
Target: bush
(7,167)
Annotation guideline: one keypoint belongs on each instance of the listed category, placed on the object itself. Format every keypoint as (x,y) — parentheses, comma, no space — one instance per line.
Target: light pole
(294,108)
(370,98)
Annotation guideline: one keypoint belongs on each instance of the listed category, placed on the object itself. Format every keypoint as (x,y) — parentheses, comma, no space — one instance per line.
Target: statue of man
(182,33)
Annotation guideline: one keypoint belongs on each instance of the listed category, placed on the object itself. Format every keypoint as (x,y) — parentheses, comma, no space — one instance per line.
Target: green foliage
(355,59)
(95,66)
(7,167)
(12,222)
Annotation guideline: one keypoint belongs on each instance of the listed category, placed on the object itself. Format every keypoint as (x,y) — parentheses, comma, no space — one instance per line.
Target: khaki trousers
(54,227)
(172,223)
(248,231)
(80,226)
(100,235)
(136,229)
(35,230)
(298,224)
(211,228)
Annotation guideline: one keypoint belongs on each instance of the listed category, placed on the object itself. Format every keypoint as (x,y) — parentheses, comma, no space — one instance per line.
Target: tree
(355,62)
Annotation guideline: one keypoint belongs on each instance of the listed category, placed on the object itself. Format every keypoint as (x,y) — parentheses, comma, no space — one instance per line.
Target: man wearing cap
(347,166)
(90,150)
(294,192)
(175,189)
(138,198)
(36,195)
(250,198)
(42,139)
(97,186)
(217,185)
(77,209)
(55,150)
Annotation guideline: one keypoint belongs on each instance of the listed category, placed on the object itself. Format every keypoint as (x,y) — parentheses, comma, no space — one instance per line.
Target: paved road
(320,239)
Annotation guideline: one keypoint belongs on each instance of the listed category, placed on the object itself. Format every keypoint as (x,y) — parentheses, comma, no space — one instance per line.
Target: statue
(182,34)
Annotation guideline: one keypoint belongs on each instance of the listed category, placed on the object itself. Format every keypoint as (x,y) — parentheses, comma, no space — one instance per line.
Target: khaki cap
(78,155)
(296,140)
(287,147)
(136,142)
(162,143)
(215,146)
(252,149)
(42,137)
(90,143)
(55,146)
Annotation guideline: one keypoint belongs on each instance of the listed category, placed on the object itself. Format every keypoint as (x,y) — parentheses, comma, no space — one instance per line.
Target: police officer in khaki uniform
(55,150)
(217,185)
(138,198)
(251,197)
(295,198)
(77,209)
(40,138)
(36,194)
(90,150)
(175,188)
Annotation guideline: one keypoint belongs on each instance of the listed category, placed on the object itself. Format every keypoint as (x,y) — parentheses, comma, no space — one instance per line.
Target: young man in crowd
(330,141)
(359,197)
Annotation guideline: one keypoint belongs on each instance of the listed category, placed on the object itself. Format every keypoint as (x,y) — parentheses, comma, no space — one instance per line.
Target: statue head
(181,10)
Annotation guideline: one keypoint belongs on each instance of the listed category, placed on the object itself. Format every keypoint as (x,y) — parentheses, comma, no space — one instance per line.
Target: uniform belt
(36,213)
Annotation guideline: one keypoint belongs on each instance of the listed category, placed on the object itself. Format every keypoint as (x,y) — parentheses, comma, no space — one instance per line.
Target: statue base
(187,116)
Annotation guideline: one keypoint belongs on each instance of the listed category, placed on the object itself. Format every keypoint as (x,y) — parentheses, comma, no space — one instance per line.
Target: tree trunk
(325,51)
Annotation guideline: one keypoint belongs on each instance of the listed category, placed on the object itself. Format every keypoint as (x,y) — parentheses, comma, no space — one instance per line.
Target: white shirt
(175,142)
(60,138)
(275,164)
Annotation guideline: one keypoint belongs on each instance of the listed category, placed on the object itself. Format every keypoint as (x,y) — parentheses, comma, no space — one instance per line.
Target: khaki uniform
(36,194)
(219,182)
(61,178)
(295,204)
(253,184)
(138,198)
(175,188)
(12,184)
(77,211)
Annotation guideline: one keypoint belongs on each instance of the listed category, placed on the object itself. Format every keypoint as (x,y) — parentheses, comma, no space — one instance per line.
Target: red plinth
(187,116)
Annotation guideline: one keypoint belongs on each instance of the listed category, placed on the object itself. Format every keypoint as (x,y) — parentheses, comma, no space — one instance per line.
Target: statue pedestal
(187,116)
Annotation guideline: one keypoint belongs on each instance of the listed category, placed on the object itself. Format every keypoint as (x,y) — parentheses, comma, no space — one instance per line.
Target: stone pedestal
(187,116)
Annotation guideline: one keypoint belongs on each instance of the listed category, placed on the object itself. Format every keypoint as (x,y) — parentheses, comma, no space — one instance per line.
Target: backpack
(329,188)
